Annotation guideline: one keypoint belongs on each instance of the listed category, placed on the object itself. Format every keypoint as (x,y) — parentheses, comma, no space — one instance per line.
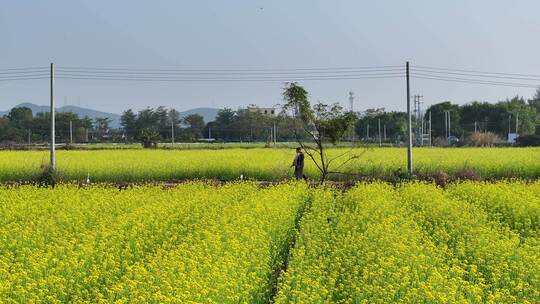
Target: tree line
(20,125)
(498,118)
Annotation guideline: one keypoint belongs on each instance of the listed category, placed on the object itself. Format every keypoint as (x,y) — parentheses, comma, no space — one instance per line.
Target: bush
(149,138)
(483,139)
(528,141)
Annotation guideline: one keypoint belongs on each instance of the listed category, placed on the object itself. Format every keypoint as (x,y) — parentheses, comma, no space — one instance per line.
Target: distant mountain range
(209,114)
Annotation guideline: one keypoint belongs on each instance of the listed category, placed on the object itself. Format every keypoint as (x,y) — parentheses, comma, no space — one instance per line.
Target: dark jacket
(299,160)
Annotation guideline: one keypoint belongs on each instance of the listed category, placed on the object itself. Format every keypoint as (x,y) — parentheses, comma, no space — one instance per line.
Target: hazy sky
(487,35)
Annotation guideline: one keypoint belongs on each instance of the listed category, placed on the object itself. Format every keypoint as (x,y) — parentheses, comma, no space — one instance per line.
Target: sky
(484,35)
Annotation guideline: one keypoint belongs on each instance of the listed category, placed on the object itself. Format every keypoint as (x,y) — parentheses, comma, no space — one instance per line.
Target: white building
(265,111)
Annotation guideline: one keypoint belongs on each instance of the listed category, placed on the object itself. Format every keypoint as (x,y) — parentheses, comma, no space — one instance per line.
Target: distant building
(264,111)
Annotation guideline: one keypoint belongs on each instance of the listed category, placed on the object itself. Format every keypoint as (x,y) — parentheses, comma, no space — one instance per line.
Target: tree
(146,119)
(195,126)
(483,117)
(149,138)
(395,124)
(223,126)
(128,121)
(526,115)
(87,126)
(161,116)
(323,123)
(535,101)
(20,118)
(438,125)
(62,125)
(102,126)
(174,118)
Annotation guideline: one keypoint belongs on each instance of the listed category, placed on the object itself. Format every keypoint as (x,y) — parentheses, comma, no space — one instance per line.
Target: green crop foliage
(263,164)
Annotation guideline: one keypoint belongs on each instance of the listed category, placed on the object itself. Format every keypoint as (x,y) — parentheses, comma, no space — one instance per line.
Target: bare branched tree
(323,124)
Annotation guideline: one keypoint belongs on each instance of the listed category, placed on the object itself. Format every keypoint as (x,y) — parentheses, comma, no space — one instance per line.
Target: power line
(476,75)
(235,70)
(23,72)
(23,76)
(476,71)
(27,68)
(134,76)
(269,74)
(27,78)
(472,81)
(249,73)
(280,79)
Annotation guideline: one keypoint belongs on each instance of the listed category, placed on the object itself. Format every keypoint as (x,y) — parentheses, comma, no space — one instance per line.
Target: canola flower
(411,244)
(473,242)
(515,204)
(193,243)
(263,164)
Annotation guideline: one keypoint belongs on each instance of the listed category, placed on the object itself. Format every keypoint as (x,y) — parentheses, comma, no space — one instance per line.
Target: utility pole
(70,132)
(351,109)
(509,123)
(172,130)
(380,138)
(430,128)
(517,122)
(446,124)
(409,125)
(367,131)
(275,133)
(53,156)
(384,128)
(475,127)
(419,120)
(449,124)
(209,132)
(29,136)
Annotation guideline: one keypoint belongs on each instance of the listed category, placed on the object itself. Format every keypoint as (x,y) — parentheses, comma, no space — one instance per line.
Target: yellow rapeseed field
(263,164)
(191,244)
(472,242)
(418,244)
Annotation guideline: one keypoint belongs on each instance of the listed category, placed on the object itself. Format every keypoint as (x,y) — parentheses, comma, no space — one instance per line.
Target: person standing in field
(298,164)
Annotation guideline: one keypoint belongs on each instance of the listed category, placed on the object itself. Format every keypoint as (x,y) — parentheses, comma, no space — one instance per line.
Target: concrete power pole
(430,136)
(449,124)
(275,133)
(367,131)
(172,126)
(351,108)
(380,138)
(445,124)
(447,127)
(409,124)
(517,122)
(172,131)
(419,120)
(53,155)
(70,132)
